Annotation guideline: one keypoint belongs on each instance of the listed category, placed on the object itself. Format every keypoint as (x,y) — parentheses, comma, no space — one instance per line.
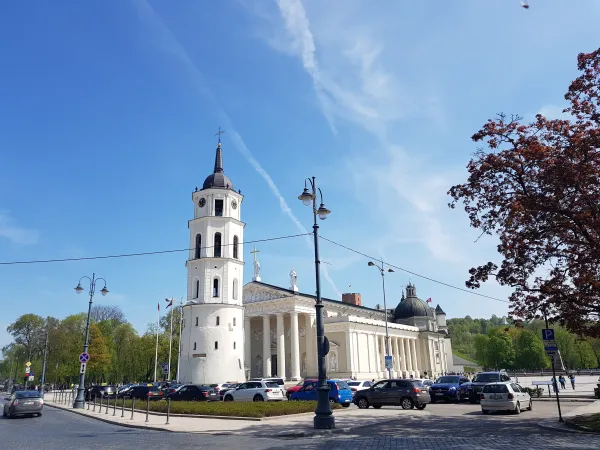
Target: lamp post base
(324,422)
(78,404)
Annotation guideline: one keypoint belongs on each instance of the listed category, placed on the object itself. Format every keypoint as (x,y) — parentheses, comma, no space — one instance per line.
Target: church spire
(219,159)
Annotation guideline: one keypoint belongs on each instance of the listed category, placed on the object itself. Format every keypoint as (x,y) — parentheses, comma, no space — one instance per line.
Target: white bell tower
(212,347)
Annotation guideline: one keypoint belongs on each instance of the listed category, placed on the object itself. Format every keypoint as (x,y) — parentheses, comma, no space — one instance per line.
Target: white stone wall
(202,363)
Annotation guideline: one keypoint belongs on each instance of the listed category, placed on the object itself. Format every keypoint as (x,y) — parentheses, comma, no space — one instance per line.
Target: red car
(299,386)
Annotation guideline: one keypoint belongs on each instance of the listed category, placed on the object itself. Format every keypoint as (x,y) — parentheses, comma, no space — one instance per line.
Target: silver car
(22,403)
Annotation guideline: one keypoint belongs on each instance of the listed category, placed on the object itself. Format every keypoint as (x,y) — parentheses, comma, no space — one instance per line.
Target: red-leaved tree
(537,186)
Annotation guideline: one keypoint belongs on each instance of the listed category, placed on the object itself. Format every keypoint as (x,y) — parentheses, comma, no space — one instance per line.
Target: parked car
(226,388)
(474,388)
(195,393)
(447,388)
(98,392)
(279,381)
(255,391)
(356,386)
(144,391)
(339,392)
(395,392)
(504,396)
(22,403)
(299,386)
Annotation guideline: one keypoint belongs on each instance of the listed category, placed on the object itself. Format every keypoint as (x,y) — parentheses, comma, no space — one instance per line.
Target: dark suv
(395,392)
(474,388)
(100,391)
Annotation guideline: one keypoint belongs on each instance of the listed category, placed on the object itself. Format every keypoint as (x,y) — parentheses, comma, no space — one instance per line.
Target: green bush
(229,409)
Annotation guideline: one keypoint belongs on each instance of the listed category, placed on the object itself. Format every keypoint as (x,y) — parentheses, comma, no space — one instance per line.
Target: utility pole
(43,378)
(555,381)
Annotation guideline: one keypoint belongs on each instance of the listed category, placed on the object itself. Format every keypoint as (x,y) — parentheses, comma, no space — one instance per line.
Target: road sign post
(548,338)
(548,334)
(82,368)
(389,362)
(84,357)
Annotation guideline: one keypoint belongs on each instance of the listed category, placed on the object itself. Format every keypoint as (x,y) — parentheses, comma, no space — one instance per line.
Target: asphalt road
(458,427)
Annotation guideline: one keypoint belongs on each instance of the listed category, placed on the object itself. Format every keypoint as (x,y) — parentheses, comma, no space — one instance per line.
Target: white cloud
(169,43)
(554,112)
(16,234)
(369,96)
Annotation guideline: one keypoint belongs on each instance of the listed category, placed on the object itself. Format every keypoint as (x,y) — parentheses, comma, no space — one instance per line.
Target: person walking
(572,378)
(554,385)
(562,382)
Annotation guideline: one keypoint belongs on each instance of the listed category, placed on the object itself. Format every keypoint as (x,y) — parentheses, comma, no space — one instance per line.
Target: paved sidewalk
(555,425)
(283,426)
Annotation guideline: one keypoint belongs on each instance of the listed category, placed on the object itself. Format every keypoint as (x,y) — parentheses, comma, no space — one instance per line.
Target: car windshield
(495,388)
(153,388)
(342,385)
(354,383)
(28,394)
(453,380)
(417,383)
(486,378)
(271,384)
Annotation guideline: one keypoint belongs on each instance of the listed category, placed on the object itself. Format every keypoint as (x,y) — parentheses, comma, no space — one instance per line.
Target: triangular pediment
(258,292)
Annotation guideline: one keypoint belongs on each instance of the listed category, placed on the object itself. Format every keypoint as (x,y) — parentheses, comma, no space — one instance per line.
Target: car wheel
(485,412)
(345,405)
(422,406)
(194,399)
(407,403)
(433,400)
(457,398)
(377,406)
(228,398)
(258,398)
(363,403)
(517,409)
(530,407)
(39,414)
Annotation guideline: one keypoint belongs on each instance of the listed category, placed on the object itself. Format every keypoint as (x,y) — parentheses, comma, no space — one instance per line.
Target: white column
(349,354)
(280,347)
(370,352)
(397,357)
(310,346)
(295,346)
(247,344)
(266,346)
(377,357)
(415,357)
(403,356)
(409,363)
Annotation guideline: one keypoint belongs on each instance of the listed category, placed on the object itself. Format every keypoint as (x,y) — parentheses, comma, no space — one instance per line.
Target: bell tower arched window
(216,287)
(217,247)
(235,247)
(197,293)
(198,245)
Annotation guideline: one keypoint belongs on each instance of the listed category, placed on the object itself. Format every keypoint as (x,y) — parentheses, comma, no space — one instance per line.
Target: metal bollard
(115,407)
(123,407)
(132,406)
(168,410)
(87,402)
(94,410)
(54,397)
(107,404)
(147,407)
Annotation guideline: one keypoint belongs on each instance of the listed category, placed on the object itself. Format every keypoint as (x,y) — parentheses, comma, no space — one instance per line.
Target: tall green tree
(530,352)
(28,331)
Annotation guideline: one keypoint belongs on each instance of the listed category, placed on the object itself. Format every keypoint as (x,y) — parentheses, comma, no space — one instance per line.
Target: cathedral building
(232,333)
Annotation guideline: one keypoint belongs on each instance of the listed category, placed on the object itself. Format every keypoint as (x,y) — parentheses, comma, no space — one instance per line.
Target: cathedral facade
(231,333)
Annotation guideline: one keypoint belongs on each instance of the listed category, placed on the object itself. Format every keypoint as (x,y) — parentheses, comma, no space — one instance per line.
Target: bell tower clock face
(234,204)
(202,202)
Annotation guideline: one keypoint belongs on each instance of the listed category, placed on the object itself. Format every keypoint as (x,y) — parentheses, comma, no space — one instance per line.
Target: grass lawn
(588,422)
(230,409)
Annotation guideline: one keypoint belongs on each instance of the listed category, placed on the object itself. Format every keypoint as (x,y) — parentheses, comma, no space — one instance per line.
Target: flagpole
(180,327)
(156,352)
(171,338)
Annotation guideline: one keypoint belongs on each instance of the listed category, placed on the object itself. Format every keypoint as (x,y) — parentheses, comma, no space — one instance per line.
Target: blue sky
(108,112)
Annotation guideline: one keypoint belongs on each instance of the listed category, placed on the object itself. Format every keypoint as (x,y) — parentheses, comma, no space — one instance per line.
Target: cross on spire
(219,133)
(254,252)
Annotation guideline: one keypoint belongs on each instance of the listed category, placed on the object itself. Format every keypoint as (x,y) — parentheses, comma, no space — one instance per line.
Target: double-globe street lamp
(79,402)
(387,336)
(323,414)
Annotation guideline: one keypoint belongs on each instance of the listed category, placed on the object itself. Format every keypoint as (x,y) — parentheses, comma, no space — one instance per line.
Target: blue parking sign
(548,334)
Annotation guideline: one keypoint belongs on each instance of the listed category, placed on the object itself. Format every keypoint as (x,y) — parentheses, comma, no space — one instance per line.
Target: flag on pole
(428,300)
(169,304)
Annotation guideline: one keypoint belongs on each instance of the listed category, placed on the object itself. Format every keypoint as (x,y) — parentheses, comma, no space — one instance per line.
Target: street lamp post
(323,414)
(80,399)
(43,379)
(387,336)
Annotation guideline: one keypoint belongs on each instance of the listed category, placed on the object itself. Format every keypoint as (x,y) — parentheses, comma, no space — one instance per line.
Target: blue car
(448,387)
(339,392)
